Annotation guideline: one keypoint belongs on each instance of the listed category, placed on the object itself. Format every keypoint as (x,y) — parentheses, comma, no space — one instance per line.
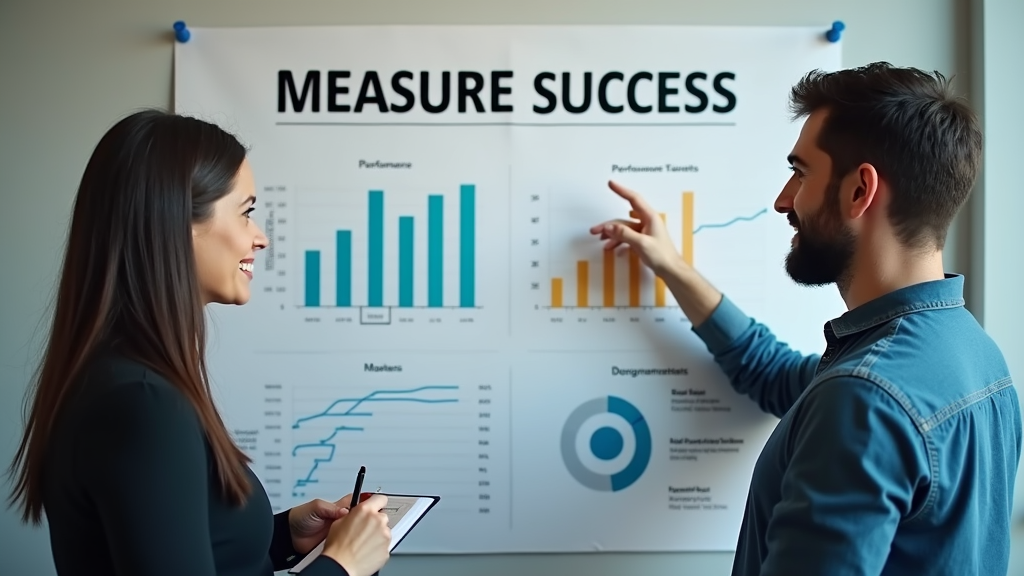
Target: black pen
(358,488)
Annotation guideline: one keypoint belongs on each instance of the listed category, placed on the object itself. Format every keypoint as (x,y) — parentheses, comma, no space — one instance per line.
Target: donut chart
(601,432)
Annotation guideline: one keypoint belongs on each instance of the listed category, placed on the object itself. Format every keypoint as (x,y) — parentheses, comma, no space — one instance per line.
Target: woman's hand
(310,523)
(361,541)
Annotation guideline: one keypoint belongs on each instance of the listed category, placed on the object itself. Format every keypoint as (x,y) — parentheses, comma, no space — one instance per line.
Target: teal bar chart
(387,229)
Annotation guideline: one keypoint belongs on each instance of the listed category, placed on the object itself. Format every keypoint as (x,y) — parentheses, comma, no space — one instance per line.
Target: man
(897,448)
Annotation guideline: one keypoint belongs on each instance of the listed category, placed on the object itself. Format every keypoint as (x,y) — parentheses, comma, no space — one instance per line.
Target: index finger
(374,502)
(643,209)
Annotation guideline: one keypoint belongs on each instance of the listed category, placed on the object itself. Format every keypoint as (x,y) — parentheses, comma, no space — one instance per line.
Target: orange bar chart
(634,280)
(556,292)
(608,276)
(659,285)
(687,237)
(582,283)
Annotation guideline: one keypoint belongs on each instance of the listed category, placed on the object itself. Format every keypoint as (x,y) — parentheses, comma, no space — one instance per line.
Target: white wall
(999,88)
(69,69)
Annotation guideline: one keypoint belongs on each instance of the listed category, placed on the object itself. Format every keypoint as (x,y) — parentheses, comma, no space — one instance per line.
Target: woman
(124,450)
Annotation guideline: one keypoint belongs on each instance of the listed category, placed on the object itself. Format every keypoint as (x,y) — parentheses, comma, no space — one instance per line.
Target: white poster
(432,305)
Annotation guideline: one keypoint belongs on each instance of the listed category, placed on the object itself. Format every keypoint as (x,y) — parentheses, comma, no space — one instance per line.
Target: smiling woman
(226,240)
(123,428)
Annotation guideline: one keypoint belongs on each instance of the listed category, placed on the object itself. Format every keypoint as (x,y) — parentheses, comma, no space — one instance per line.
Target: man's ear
(864,181)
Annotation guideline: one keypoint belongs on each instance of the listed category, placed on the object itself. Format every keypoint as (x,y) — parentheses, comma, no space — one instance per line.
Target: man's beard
(824,247)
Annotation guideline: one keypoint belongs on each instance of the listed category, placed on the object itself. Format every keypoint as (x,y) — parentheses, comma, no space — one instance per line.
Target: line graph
(731,222)
(325,449)
(420,422)
(373,397)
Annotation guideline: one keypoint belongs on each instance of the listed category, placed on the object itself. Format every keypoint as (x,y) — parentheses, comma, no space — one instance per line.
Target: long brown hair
(129,272)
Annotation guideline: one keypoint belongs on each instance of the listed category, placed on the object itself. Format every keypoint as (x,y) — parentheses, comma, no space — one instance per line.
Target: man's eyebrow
(794,159)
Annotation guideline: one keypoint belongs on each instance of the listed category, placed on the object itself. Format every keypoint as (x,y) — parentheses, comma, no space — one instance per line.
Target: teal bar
(344,258)
(312,277)
(375,273)
(435,251)
(467,245)
(405,260)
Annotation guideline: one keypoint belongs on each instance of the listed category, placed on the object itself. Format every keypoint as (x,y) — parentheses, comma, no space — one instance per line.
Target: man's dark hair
(924,141)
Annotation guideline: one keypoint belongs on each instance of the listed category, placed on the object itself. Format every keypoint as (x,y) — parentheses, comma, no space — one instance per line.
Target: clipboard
(404,512)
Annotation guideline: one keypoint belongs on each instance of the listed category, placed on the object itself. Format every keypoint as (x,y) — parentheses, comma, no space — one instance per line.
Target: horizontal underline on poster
(527,124)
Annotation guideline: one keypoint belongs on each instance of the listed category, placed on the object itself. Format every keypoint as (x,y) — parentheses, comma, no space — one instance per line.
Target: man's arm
(757,365)
(857,466)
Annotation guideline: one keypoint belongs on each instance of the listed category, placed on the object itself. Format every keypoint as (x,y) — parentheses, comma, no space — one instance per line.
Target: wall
(71,68)
(998,88)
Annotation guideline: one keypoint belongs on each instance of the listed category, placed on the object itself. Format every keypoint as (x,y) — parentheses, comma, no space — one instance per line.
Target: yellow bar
(582,283)
(634,272)
(659,285)
(609,278)
(688,228)
(634,280)
(556,292)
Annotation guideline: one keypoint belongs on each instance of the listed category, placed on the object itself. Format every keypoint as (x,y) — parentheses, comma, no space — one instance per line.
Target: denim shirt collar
(931,295)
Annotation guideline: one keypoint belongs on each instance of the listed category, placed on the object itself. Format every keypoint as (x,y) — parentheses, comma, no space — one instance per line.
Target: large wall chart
(432,305)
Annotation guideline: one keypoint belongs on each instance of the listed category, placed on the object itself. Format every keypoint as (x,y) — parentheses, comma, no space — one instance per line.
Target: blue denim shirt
(897,447)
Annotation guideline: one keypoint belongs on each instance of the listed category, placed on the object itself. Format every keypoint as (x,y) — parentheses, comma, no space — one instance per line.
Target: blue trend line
(328,439)
(326,443)
(317,461)
(731,222)
(371,397)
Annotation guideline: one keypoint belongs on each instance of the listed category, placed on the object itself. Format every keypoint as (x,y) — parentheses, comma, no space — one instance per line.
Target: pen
(358,488)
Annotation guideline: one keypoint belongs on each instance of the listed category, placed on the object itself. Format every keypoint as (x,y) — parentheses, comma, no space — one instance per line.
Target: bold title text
(611,92)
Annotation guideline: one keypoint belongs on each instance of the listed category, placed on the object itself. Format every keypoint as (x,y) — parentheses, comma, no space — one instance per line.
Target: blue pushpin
(836,31)
(181,32)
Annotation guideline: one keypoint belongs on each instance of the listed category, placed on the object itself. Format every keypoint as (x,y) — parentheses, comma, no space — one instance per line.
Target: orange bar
(582,283)
(556,292)
(609,278)
(634,280)
(688,228)
(634,272)
(659,284)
